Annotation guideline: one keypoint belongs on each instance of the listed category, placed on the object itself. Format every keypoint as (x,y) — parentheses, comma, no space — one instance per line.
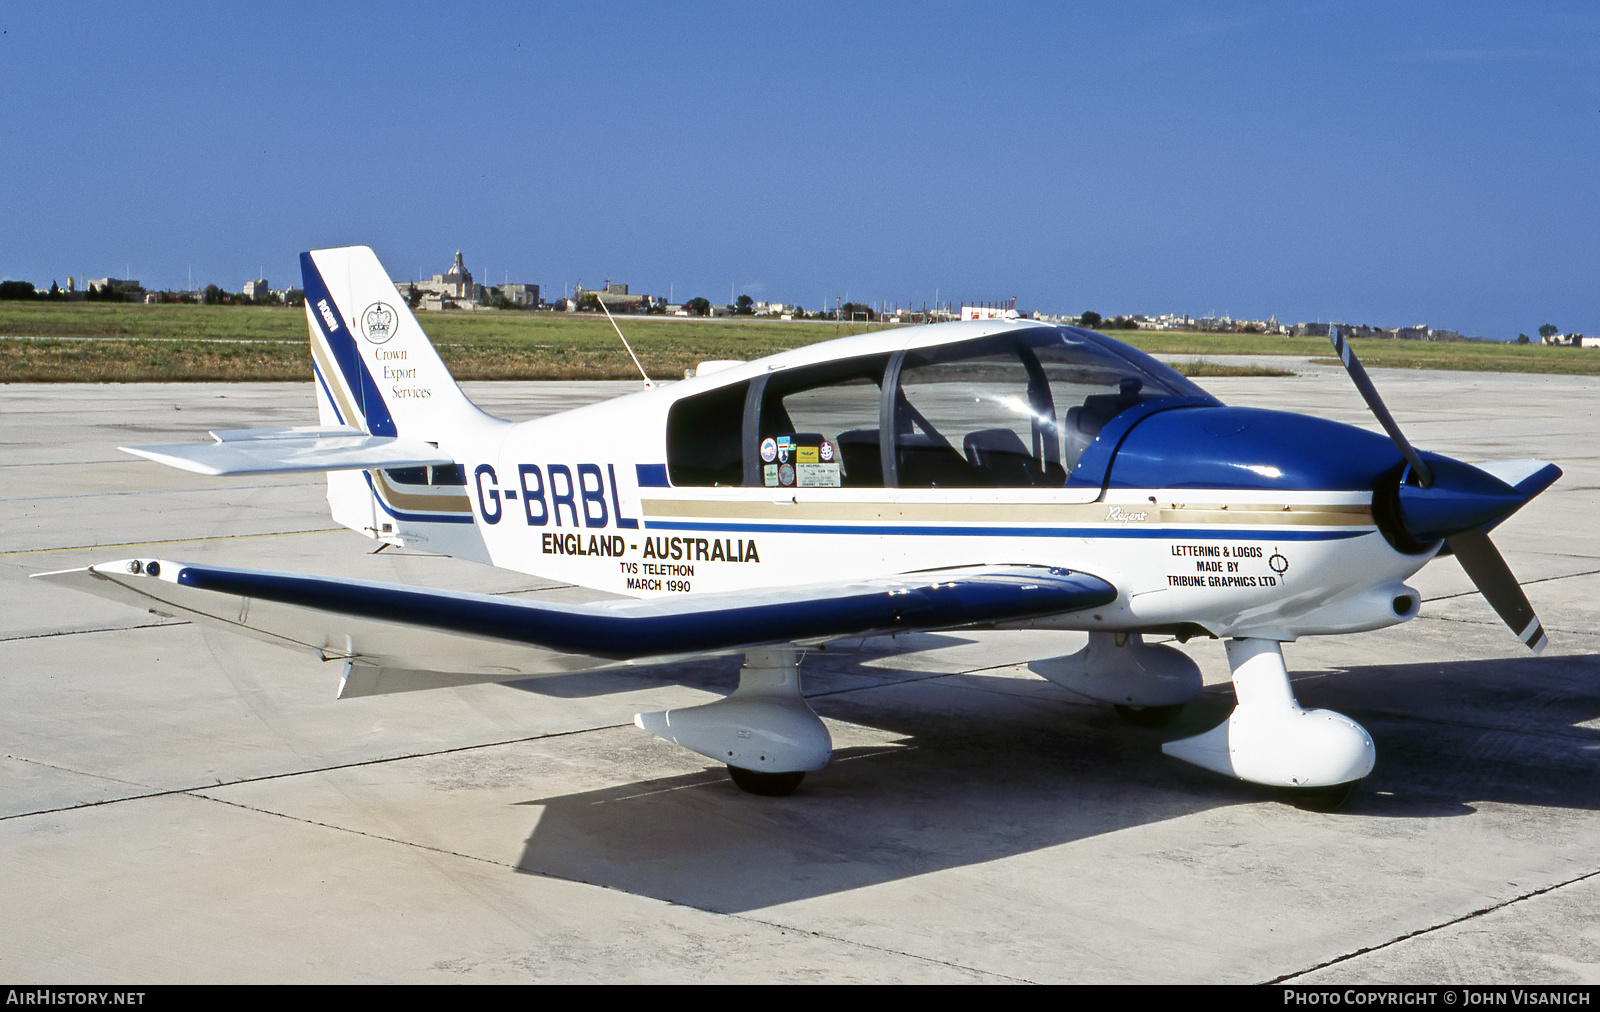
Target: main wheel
(1149,716)
(1320,799)
(771,785)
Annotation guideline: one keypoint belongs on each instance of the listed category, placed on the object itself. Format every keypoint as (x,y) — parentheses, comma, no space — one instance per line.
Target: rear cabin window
(705,437)
(448,474)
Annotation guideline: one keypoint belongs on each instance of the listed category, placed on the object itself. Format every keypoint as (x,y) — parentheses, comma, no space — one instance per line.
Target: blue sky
(1381,163)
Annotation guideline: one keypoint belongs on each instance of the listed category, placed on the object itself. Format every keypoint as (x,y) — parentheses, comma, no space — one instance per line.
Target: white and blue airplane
(998,474)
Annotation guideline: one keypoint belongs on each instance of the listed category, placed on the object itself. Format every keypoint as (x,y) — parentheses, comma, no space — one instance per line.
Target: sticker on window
(805,460)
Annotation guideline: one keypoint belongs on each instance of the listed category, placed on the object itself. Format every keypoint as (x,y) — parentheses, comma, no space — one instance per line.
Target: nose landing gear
(1317,756)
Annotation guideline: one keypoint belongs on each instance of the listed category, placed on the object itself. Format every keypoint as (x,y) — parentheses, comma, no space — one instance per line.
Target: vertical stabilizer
(375,367)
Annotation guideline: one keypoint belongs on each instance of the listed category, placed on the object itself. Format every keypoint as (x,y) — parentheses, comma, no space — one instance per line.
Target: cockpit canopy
(1010,410)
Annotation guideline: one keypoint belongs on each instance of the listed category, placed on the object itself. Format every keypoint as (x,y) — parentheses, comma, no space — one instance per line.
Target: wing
(396,637)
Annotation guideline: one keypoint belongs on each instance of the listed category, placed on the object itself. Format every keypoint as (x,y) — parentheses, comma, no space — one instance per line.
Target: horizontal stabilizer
(420,631)
(291,432)
(286,451)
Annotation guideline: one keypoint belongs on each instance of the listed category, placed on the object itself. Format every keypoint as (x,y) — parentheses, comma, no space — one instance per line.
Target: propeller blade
(1489,572)
(1471,497)
(1369,393)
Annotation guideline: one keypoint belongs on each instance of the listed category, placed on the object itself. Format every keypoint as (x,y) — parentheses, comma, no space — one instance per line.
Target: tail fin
(375,367)
(377,371)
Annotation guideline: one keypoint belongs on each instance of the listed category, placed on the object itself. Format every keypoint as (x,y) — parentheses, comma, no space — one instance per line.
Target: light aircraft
(1001,474)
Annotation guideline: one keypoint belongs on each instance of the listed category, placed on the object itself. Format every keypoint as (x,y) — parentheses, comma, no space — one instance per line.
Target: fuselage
(933,447)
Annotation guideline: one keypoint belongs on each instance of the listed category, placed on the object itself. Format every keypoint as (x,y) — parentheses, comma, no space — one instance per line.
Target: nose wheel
(768,785)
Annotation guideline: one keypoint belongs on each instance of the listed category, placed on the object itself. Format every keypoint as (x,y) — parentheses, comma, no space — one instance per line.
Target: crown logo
(378,322)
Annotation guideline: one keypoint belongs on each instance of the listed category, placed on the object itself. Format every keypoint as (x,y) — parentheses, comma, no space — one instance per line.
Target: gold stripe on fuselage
(1296,516)
(1199,514)
(439,503)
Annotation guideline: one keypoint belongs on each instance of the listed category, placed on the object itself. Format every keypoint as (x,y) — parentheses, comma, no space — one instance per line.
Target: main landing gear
(765,731)
(1147,684)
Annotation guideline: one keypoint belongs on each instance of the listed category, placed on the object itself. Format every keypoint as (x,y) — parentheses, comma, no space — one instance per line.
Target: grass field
(132,342)
(1470,356)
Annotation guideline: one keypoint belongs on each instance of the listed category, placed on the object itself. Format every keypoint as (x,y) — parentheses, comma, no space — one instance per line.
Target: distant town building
(456,289)
(988,313)
(447,290)
(1362,330)
(127,288)
(518,294)
(617,298)
(257,290)
(457,281)
(1166,321)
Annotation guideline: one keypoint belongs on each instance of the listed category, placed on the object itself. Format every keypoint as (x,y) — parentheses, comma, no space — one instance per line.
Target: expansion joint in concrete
(1421,932)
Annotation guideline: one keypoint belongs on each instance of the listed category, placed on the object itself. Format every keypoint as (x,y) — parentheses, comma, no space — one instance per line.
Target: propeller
(1438,498)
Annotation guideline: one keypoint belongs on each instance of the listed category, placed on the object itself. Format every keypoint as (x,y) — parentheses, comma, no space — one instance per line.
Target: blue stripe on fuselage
(1189,533)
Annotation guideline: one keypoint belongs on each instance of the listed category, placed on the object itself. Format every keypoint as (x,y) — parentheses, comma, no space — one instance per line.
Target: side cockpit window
(1090,386)
(819,426)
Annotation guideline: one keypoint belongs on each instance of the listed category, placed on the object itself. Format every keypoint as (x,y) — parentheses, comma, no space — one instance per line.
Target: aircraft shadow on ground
(984,770)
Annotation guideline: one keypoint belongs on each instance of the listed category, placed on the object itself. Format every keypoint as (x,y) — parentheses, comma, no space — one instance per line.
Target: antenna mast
(648,384)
